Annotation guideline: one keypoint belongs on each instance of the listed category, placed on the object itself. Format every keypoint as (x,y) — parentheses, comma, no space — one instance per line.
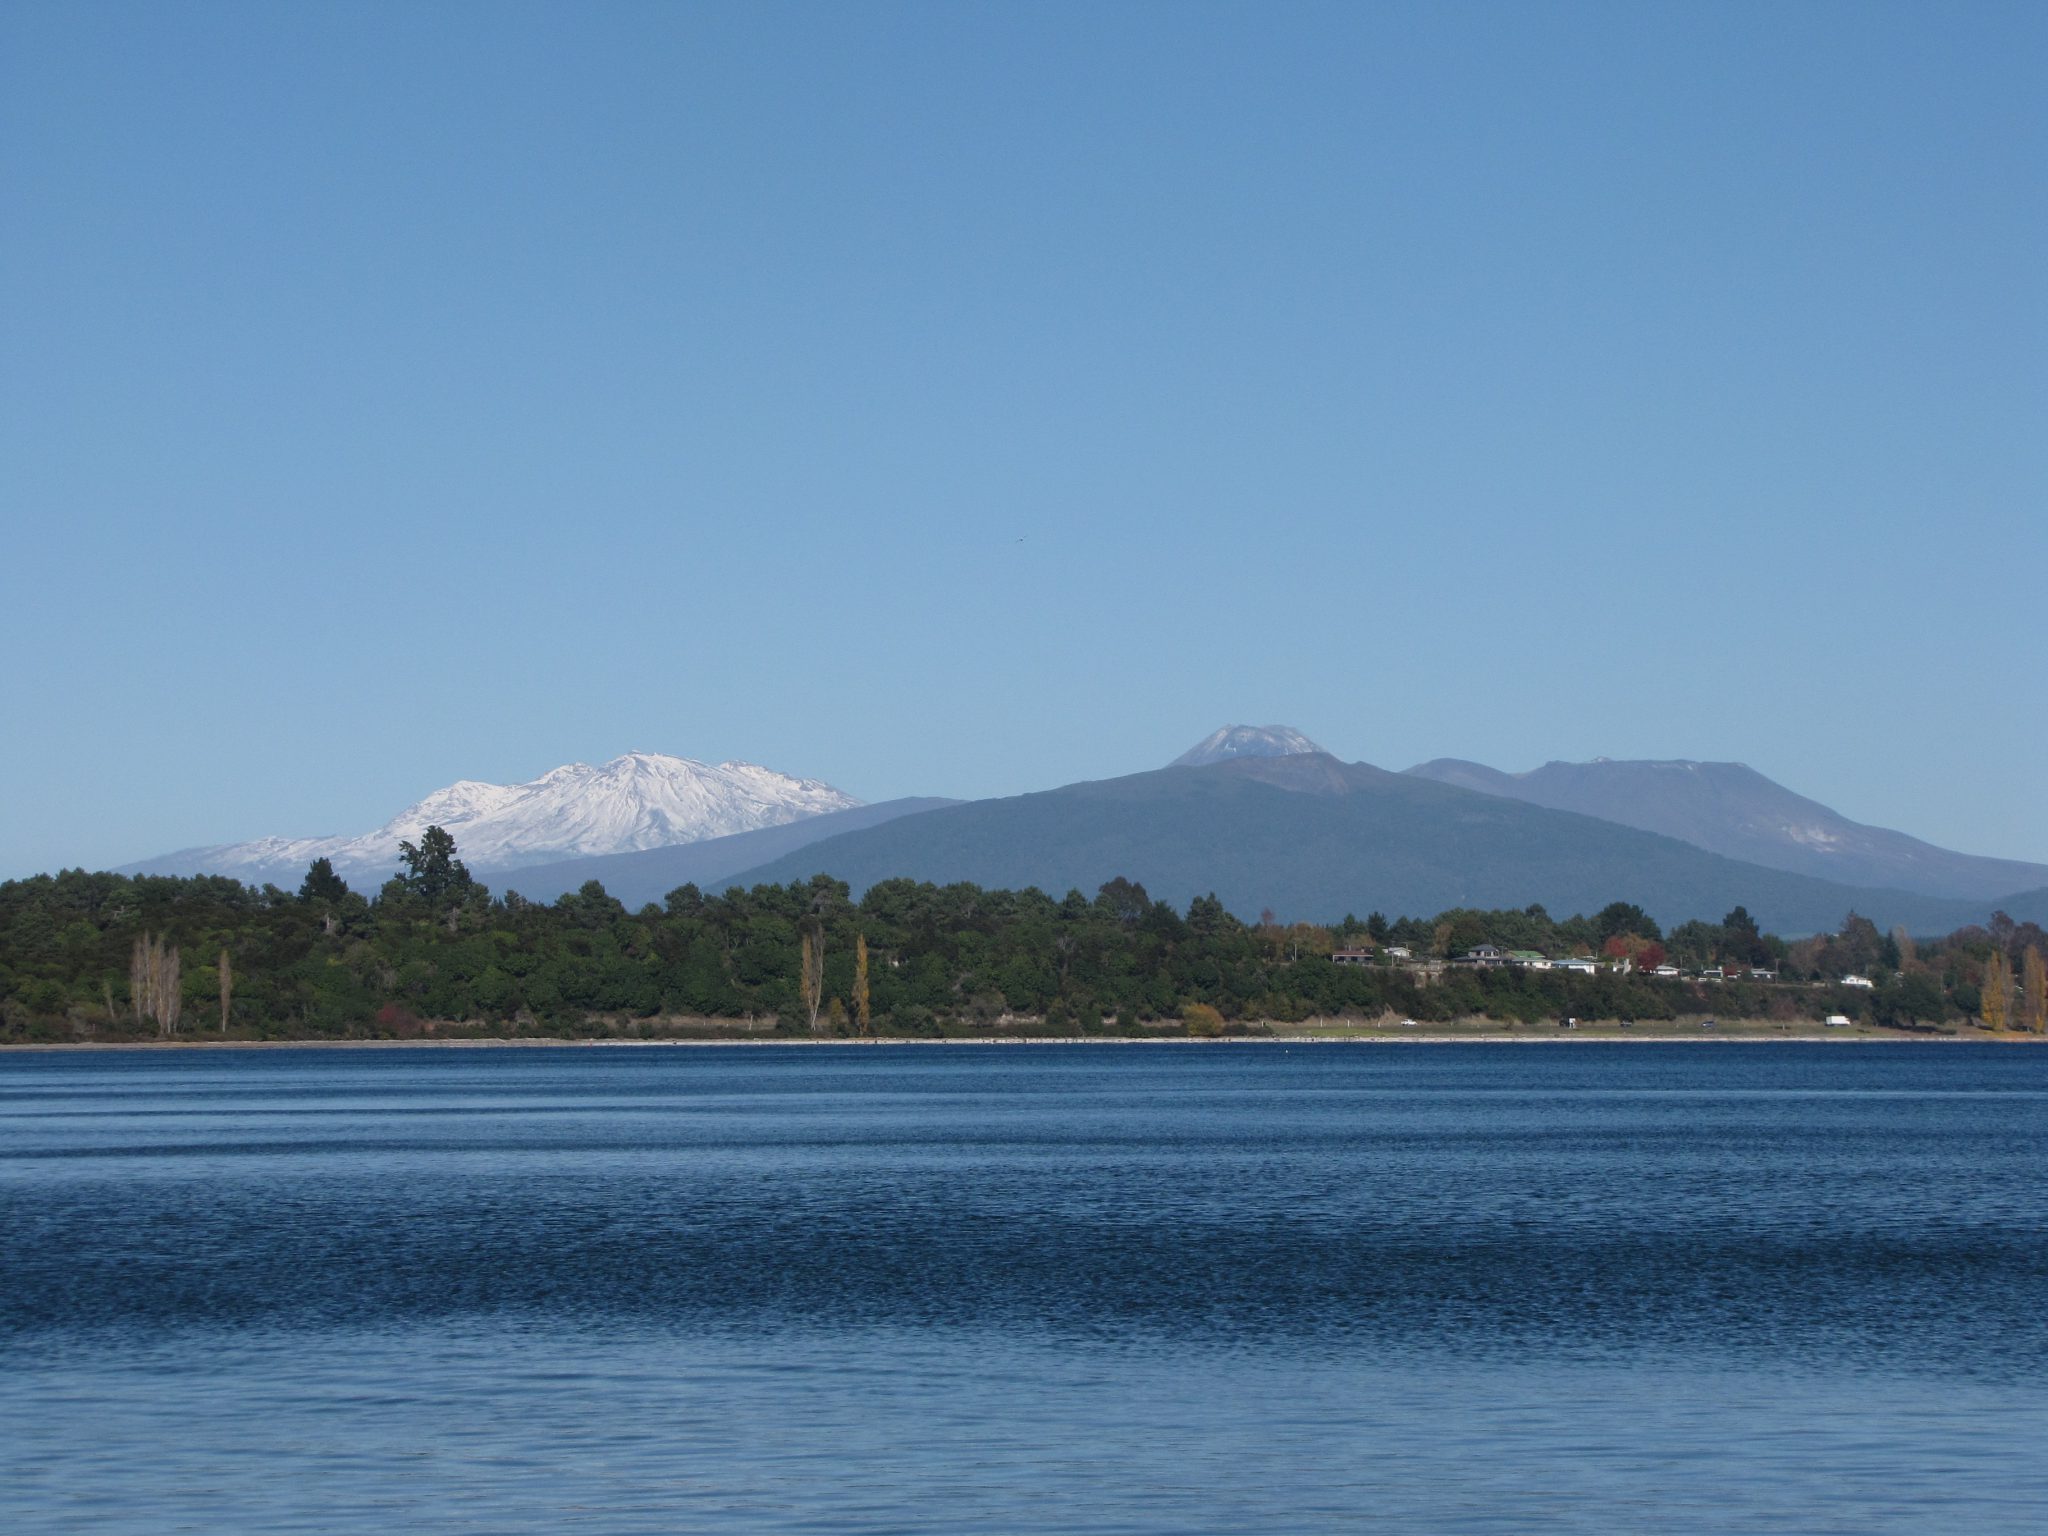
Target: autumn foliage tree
(1996,1006)
(1642,954)
(2034,993)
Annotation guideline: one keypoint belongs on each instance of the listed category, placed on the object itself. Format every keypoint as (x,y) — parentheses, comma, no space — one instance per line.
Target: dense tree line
(109,956)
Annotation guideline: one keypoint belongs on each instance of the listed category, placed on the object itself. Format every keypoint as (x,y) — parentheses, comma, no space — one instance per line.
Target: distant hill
(649,875)
(1313,838)
(1731,809)
(2024,906)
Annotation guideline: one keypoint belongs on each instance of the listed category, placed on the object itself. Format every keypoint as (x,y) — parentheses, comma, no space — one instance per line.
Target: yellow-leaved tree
(1996,1007)
(2034,992)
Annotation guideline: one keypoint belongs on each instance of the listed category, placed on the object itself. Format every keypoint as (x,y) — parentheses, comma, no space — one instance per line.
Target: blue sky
(969,399)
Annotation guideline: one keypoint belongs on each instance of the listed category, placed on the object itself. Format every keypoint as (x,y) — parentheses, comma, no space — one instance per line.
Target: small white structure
(1859,981)
(1713,973)
(1665,970)
(1352,957)
(1585,965)
(1837,1021)
(1398,952)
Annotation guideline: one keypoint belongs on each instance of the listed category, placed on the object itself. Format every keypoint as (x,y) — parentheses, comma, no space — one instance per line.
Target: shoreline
(499,1042)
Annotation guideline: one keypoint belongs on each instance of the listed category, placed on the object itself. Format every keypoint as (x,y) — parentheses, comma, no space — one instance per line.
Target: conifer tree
(227,987)
(322,883)
(432,871)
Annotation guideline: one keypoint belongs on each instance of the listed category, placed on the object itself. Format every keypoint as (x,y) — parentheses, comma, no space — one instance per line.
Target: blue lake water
(1140,1289)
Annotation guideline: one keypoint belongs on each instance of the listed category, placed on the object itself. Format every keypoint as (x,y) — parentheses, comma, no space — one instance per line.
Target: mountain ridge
(1733,810)
(1313,838)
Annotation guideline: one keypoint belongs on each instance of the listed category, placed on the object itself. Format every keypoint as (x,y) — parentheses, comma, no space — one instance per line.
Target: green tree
(1125,900)
(432,871)
(322,884)
(1623,919)
(1741,939)
(1918,997)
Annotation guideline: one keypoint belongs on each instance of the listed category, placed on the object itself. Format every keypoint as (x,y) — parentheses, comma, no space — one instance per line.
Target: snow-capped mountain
(1245,741)
(641,800)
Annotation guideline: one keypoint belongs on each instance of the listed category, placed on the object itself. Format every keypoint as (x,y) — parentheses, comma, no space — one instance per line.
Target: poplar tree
(1996,1006)
(138,978)
(862,1016)
(813,965)
(2034,991)
(154,989)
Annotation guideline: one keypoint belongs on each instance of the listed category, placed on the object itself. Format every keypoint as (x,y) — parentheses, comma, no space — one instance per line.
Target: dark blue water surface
(1110,1289)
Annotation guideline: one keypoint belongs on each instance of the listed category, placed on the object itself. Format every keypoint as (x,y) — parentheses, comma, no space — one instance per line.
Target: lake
(1163,1288)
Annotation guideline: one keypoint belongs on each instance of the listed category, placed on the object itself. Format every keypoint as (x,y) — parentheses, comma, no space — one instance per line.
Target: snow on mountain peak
(1245,741)
(637,800)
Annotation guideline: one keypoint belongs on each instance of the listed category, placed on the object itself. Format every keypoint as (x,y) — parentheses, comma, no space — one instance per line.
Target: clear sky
(965,399)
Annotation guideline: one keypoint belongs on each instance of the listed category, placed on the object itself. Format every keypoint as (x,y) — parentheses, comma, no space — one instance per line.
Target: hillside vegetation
(104,956)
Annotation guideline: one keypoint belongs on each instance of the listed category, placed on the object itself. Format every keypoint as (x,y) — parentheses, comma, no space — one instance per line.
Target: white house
(1858,981)
(1581,963)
